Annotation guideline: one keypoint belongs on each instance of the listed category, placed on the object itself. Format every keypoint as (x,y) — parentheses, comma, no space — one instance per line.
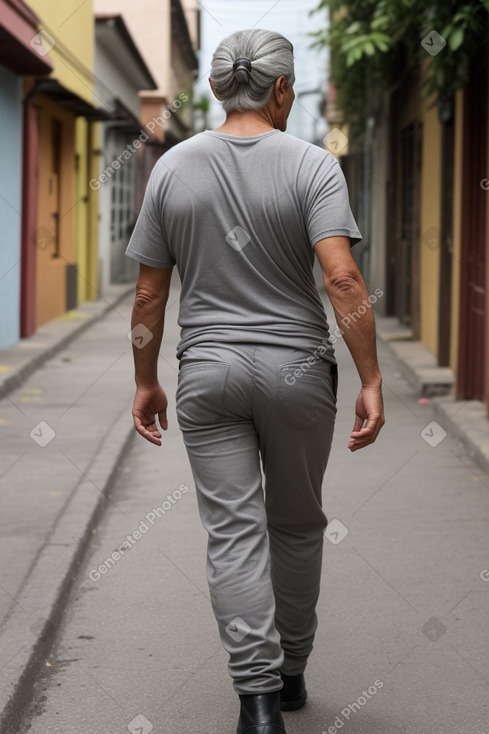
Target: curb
(419,369)
(38,352)
(41,603)
(467,422)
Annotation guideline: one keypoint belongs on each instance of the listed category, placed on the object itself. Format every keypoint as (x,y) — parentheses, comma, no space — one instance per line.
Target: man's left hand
(148,403)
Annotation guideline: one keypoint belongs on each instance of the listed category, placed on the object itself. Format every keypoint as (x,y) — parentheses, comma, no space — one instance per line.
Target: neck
(247,123)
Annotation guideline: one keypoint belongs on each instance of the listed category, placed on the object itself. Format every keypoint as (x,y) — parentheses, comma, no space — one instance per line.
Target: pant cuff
(257,686)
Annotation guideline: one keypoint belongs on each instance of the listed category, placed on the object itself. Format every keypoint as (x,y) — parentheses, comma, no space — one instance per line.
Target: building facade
(62,257)
(419,176)
(87,105)
(167,32)
(18,58)
(120,74)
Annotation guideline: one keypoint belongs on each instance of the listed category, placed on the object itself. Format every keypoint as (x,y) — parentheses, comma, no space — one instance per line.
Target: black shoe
(293,695)
(260,714)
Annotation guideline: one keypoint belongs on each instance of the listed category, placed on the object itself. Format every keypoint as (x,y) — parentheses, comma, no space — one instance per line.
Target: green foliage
(374,41)
(204,103)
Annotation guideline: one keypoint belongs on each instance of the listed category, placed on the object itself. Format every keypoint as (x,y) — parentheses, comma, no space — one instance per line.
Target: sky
(220,18)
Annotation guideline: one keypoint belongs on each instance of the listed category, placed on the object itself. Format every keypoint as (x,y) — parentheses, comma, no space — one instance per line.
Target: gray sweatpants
(237,402)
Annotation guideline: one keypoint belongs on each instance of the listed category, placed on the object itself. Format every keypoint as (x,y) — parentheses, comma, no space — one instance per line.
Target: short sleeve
(148,242)
(328,212)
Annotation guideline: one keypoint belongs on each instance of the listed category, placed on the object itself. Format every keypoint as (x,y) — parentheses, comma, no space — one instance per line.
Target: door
(473,302)
(122,205)
(407,307)
(446,234)
(54,183)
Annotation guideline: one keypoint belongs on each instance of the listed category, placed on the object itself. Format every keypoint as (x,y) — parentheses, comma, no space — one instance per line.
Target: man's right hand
(369,418)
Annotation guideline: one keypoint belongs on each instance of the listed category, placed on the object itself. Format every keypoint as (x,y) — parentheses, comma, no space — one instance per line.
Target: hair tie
(242,63)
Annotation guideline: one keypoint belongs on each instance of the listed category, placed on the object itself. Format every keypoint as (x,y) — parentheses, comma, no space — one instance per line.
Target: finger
(368,430)
(359,421)
(163,419)
(147,426)
(360,441)
(364,432)
(151,435)
(356,445)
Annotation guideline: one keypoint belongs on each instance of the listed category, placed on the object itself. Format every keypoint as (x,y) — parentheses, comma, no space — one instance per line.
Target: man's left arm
(147,326)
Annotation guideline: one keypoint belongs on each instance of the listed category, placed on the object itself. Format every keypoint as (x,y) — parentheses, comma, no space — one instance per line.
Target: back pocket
(305,393)
(200,392)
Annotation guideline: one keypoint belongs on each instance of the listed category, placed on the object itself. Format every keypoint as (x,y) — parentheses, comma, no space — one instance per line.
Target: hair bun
(242,69)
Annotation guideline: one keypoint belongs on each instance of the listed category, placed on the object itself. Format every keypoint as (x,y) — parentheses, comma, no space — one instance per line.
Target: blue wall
(10,205)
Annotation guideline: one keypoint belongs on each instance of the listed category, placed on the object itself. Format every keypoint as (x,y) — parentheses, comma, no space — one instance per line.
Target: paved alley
(402,644)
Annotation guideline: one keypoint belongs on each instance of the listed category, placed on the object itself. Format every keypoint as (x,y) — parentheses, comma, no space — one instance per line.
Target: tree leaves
(373,41)
(366,44)
(456,38)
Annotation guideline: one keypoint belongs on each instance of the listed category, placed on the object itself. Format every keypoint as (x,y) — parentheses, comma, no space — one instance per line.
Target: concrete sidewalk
(466,420)
(19,361)
(402,642)
(65,423)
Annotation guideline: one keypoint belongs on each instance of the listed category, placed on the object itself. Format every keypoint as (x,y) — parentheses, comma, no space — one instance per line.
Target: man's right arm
(347,292)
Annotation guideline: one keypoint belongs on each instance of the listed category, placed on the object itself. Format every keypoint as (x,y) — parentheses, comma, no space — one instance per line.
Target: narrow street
(180,131)
(402,644)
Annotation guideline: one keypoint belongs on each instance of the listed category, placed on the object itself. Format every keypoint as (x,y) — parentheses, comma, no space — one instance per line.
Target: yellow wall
(70,23)
(51,269)
(81,219)
(86,212)
(93,215)
(430,217)
(457,223)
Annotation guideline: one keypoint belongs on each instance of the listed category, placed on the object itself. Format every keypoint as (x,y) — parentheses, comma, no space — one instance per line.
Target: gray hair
(248,86)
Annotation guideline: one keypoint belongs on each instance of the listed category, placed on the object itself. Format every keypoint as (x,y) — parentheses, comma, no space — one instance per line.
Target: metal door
(122,202)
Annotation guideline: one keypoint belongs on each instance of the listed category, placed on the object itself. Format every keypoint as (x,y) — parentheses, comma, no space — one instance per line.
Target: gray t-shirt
(239,217)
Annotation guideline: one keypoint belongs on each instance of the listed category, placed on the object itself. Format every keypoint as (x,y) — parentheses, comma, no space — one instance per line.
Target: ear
(280,90)
(213,89)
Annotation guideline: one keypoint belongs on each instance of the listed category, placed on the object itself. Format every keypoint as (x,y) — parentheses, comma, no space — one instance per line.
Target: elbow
(146,297)
(345,281)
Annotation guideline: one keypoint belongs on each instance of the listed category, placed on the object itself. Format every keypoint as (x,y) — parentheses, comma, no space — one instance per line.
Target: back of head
(246,65)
